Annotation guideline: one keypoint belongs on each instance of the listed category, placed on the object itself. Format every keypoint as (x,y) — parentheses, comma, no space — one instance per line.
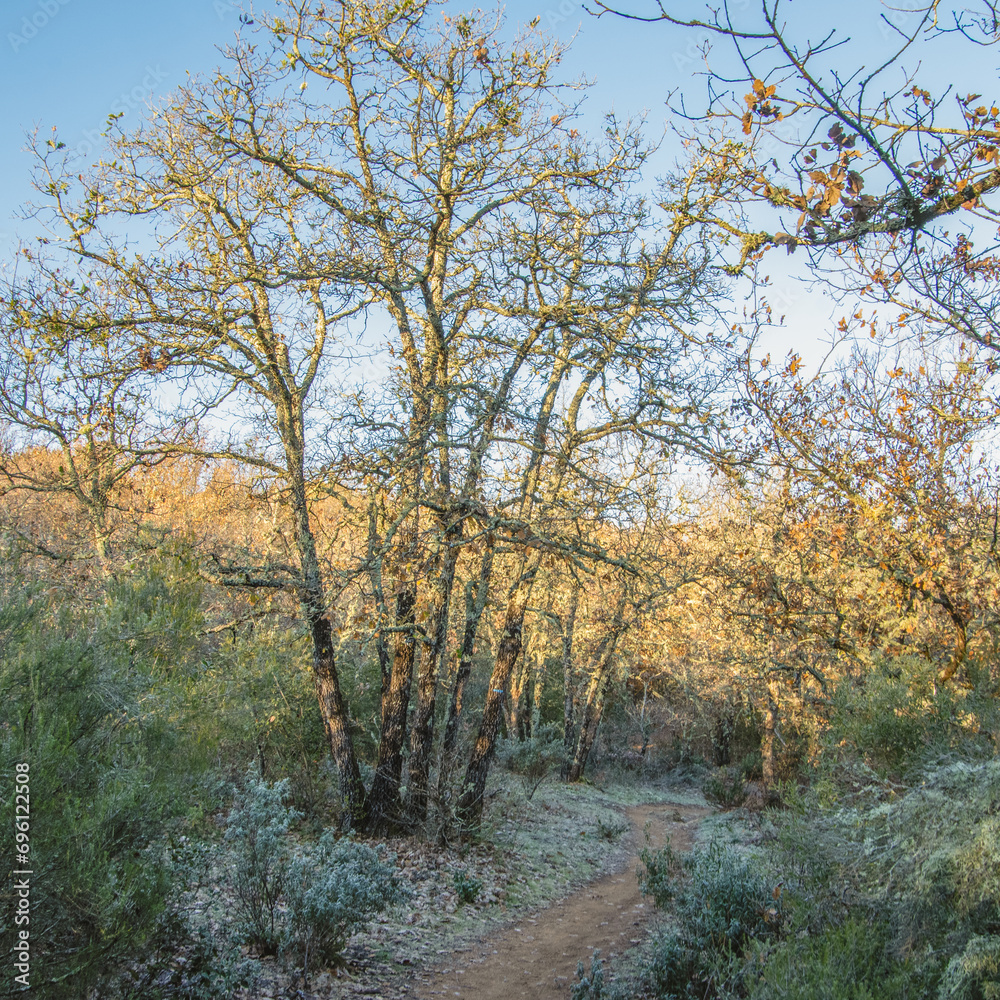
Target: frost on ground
(530,853)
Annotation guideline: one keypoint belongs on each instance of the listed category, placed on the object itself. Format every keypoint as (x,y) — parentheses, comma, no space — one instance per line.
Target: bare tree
(78,418)
(435,190)
(854,151)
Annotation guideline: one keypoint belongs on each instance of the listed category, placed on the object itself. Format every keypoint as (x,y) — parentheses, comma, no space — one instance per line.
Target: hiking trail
(537,955)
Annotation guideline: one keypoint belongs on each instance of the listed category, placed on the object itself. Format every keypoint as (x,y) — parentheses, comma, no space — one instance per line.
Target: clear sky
(71,63)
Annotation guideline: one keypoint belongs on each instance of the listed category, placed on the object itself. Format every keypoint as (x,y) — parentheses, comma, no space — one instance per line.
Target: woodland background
(367,423)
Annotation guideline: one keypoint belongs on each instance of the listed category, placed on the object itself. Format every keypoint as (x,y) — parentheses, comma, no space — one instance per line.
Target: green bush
(850,961)
(659,874)
(611,830)
(155,610)
(926,863)
(672,969)
(728,901)
(257,827)
(305,903)
(725,789)
(941,845)
(533,759)
(975,974)
(332,890)
(723,903)
(211,966)
(467,886)
(104,781)
(897,719)
(589,987)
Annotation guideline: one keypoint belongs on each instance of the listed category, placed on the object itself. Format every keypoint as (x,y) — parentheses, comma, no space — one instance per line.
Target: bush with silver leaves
(331,891)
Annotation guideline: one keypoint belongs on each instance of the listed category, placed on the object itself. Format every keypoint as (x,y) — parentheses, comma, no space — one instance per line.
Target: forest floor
(557,876)
(537,956)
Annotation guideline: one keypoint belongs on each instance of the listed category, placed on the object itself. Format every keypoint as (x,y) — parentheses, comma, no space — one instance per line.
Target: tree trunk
(723,737)
(538,672)
(592,714)
(518,682)
(335,722)
(569,626)
(961,650)
(476,593)
(422,736)
(600,682)
(383,797)
(470,804)
(331,702)
(98,509)
(767,739)
(375,577)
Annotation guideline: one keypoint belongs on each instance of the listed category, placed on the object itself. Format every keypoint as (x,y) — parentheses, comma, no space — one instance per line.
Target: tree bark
(332,708)
(568,627)
(537,687)
(722,738)
(422,735)
(601,681)
(767,739)
(592,713)
(518,682)
(476,593)
(335,722)
(961,650)
(470,803)
(383,797)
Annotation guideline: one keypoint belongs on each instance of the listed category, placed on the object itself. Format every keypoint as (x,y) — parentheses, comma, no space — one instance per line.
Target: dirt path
(537,956)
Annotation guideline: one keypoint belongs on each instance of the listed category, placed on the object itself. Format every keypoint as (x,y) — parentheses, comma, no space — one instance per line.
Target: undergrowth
(878,878)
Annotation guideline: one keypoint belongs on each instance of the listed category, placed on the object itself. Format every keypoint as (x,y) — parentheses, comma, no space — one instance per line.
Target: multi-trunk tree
(392,183)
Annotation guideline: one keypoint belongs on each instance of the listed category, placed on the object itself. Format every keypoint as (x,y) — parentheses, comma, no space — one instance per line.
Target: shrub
(728,901)
(329,889)
(589,987)
(101,791)
(725,789)
(975,974)
(257,826)
(672,969)
(611,830)
(332,890)
(533,759)
(467,886)
(899,720)
(926,863)
(850,961)
(211,967)
(723,903)
(659,873)
(941,845)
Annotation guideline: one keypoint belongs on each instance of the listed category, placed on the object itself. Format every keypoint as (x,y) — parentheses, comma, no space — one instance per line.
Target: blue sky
(71,63)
